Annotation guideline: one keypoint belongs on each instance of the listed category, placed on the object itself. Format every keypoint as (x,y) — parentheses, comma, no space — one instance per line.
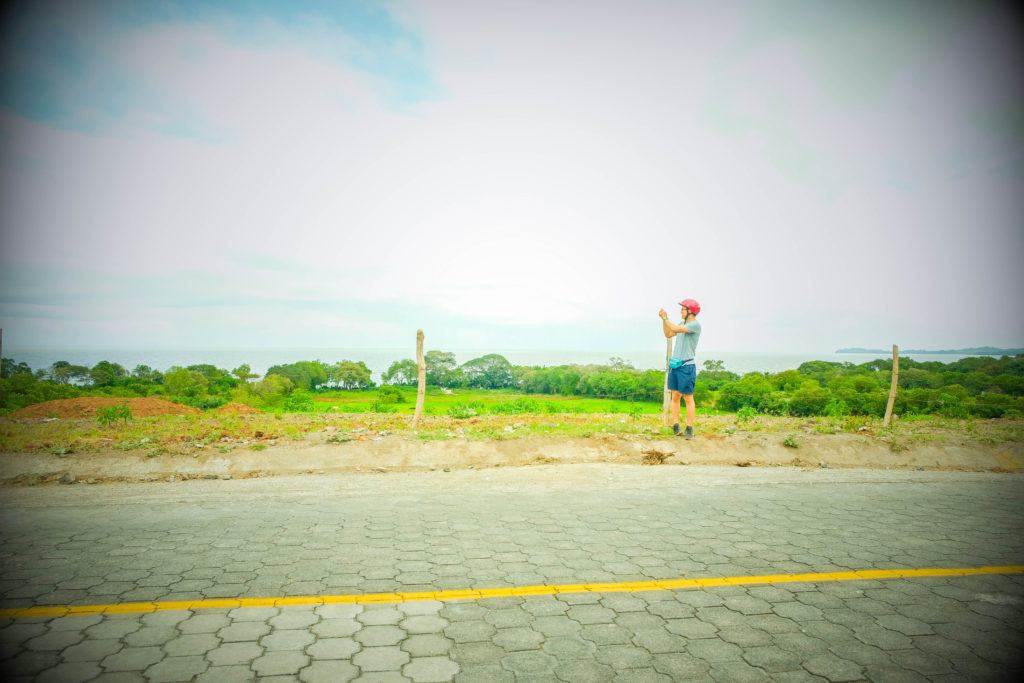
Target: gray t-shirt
(686,344)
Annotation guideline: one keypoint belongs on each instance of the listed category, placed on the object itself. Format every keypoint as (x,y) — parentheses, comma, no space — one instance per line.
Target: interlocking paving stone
(115,627)
(336,628)
(737,672)
(517,638)
(329,672)
(423,623)
(882,638)
(421,607)
(243,631)
(484,673)
(381,659)
(427,645)
(279,663)
(191,644)
(132,659)
(430,669)
(381,616)
(470,631)
(375,636)
(659,641)
(530,663)
(177,669)
(164,618)
(800,643)
(601,634)
(204,623)
(54,640)
(333,648)
(70,672)
(93,650)
(713,650)
(893,629)
(772,659)
(834,668)
(623,656)
(229,654)
(293,639)
(293,619)
(583,670)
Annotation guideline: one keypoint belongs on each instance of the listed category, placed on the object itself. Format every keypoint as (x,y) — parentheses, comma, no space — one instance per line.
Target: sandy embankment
(396,453)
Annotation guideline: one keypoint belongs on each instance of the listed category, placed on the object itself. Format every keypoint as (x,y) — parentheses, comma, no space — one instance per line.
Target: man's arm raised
(670,329)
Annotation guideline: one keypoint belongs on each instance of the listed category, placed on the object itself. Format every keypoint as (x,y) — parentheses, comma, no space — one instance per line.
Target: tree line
(978,386)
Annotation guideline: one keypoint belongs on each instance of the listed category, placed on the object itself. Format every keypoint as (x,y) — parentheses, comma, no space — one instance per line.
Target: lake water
(378,360)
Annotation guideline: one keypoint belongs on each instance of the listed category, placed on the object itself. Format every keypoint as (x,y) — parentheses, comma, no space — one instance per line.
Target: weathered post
(892,388)
(666,403)
(421,379)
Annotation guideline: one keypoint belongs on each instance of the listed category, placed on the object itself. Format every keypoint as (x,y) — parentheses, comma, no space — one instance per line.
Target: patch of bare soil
(383,454)
(85,407)
(237,409)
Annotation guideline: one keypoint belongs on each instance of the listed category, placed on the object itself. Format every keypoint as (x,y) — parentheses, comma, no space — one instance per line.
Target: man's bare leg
(691,409)
(691,412)
(675,409)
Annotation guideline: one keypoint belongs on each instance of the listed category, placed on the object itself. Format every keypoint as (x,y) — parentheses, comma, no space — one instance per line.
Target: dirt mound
(85,407)
(237,409)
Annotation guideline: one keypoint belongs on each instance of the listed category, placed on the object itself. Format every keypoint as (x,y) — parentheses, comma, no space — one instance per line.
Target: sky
(511,174)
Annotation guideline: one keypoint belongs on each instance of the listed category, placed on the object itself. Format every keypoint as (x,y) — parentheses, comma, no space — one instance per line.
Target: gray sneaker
(689,432)
(675,429)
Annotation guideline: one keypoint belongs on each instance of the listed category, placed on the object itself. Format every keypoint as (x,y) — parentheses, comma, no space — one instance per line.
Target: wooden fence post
(421,380)
(892,389)
(666,403)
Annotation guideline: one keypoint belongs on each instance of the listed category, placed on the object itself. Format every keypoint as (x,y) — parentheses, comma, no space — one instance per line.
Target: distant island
(973,351)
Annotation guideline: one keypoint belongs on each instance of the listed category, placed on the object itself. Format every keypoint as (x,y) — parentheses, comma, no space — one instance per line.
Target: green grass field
(484,401)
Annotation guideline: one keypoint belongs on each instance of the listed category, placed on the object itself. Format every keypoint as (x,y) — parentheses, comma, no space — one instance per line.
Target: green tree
(272,385)
(181,381)
(8,368)
(351,375)
(219,381)
(492,371)
(403,372)
(107,374)
(714,366)
(304,374)
(144,373)
(244,373)
(441,368)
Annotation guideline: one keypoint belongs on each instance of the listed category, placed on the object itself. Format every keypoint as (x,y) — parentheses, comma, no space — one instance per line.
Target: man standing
(682,374)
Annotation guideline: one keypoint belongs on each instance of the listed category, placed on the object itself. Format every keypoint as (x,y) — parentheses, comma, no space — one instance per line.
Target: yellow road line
(483,593)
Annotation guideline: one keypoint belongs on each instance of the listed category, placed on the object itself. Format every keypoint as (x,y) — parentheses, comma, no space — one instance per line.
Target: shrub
(208,402)
(110,414)
(745,414)
(387,393)
(298,402)
(836,407)
(952,407)
(808,400)
(464,409)
(516,407)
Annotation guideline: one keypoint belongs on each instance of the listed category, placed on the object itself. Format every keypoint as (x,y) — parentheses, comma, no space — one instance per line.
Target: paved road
(395,533)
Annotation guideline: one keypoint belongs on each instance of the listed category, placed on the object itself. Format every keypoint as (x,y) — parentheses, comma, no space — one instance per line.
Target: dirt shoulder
(388,453)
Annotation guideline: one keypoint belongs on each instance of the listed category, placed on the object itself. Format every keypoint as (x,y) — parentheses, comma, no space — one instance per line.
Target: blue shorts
(682,379)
